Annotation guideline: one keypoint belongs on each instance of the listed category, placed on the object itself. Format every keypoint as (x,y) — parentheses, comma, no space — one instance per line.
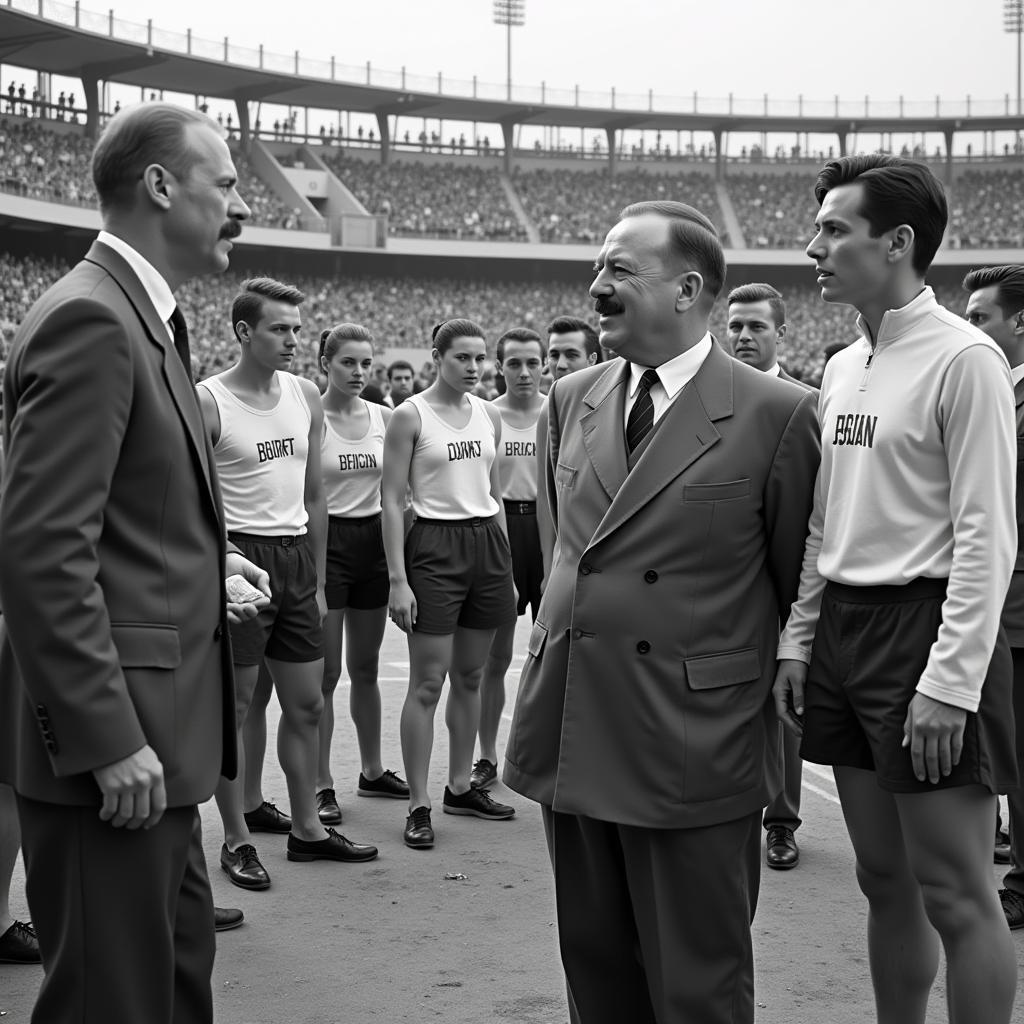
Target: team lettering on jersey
(278,448)
(357,460)
(464,450)
(521,448)
(856,429)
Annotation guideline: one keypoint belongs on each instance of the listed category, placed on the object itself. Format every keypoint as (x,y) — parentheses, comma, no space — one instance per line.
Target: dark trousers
(654,924)
(1014,878)
(124,918)
(785,808)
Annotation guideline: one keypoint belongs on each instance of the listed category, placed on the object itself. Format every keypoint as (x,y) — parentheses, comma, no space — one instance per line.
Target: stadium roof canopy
(74,43)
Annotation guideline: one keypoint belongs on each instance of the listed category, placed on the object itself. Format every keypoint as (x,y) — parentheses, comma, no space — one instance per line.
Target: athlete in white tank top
(352,468)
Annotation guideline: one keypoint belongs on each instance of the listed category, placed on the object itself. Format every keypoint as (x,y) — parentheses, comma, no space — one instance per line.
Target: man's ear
(157,183)
(1018,322)
(901,243)
(780,333)
(691,286)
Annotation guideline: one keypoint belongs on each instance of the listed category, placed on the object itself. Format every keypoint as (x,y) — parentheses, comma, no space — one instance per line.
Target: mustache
(232,229)
(607,307)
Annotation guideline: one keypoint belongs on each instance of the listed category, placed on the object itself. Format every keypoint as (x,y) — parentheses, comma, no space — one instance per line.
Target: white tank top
(261,459)
(450,474)
(352,469)
(517,461)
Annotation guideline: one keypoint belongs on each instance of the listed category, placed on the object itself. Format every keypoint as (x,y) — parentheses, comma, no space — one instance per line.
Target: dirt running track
(395,940)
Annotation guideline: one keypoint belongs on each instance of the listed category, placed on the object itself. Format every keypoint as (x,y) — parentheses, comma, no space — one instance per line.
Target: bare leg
(364,633)
(462,712)
(429,659)
(953,866)
(333,629)
(254,732)
(10,843)
(299,690)
(492,690)
(903,948)
(230,792)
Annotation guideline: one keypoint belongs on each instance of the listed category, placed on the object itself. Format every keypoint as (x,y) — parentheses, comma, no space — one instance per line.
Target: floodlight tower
(513,12)
(1013,21)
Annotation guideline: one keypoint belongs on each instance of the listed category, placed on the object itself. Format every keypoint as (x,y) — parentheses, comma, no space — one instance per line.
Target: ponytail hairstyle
(445,333)
(334,337)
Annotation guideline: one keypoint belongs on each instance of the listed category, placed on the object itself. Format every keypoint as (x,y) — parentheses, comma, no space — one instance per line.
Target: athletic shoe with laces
(476,802)
(418,834)
(327,808)
(19,945)
(1013,907)
(390,785)
(484,771)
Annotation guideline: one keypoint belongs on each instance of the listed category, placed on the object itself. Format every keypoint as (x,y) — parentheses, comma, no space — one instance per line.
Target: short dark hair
(519,334)
(896,191)
(1009,282)
(400,364)
(692,237)
(446,332)
(253,293)
(134,138)
(572,324)
(759,292)
(334,337)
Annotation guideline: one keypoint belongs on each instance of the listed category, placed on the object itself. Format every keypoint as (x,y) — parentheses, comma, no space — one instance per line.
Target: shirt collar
(677,372)
(1017,374)
(774,371)
(898,321)
(155,286)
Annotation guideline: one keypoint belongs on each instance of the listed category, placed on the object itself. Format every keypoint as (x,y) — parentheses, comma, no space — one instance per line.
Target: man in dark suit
(116,691)
(756,328)
(680,483)
(996,306)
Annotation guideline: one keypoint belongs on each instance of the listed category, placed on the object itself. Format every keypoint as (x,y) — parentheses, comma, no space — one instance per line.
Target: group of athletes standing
(426,512)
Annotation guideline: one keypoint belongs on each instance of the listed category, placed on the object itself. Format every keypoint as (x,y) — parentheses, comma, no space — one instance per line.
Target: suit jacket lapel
(684,434)
(178,384)
(603,428)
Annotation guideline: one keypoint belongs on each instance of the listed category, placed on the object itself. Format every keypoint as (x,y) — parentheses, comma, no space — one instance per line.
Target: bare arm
(399,441)
(314,496)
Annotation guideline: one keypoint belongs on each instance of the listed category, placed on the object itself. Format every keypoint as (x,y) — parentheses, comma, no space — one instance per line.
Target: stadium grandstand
(396,201)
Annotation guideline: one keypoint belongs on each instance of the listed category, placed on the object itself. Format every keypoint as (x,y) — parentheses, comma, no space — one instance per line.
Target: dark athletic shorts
(289,628)
(870,649)
(527,560)
(461,573)
(357,570)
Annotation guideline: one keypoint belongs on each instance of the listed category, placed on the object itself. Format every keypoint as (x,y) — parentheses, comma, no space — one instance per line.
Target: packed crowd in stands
(400,312)
(432,200)
(987,211)
(40,163)
(580,206)
(775,211)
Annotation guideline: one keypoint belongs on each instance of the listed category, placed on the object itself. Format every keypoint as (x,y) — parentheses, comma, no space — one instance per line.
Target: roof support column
(91,88)
(612,135)
(719,158)
(948,176)
(385,138)
(244,130)
(508,129)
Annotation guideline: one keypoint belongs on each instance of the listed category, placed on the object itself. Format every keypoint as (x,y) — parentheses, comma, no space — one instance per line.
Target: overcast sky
(917,48)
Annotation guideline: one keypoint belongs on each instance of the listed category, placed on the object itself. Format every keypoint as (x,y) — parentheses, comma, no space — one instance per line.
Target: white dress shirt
(673,376)
(155,286)
(1017,374)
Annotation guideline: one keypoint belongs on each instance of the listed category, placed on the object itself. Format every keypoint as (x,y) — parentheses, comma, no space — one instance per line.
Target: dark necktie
(641,416)
(181,341)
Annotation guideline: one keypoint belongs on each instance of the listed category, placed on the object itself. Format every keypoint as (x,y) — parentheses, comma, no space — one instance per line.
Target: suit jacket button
(218,632)
(643,647)
(651,576)
(577,634)
(585,569)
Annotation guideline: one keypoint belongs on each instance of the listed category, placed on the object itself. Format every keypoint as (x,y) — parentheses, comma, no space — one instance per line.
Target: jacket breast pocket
(725,491)
(146,645)
(565,476)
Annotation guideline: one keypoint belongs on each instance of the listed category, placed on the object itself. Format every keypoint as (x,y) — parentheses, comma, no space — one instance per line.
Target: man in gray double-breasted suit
(644,724)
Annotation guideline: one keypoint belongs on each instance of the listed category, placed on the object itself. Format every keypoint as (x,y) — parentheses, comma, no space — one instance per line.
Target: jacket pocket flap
(144,645)
(565,475)
(714,670)
(717,492)
(538,635)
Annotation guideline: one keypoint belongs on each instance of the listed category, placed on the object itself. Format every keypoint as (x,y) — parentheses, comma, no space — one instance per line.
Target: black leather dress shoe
(225,918)
(267,818)
(781,851)
(19,945)
(334,847)
(327,808)
(243,867)
(419,834)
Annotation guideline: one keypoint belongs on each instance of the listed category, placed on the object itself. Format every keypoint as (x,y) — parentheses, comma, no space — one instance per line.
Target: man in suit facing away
(116,691)
(680,483)
(756,328)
